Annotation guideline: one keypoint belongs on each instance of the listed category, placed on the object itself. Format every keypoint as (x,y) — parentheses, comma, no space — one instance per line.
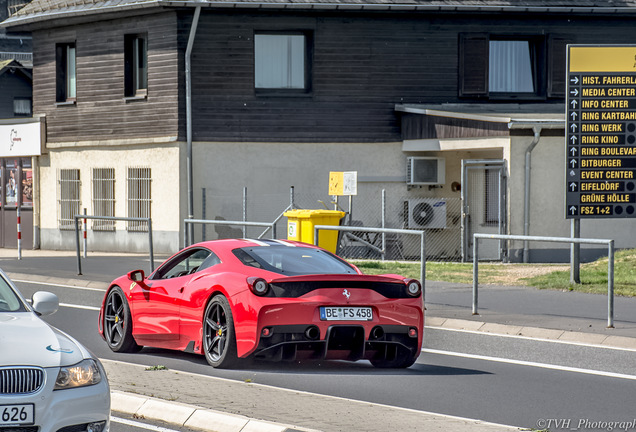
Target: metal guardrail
(113,218)
(610,263)
(420,233)
(269,225)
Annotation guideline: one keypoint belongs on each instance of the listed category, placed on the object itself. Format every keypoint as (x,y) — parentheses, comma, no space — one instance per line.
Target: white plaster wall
(547,197)
(168,184)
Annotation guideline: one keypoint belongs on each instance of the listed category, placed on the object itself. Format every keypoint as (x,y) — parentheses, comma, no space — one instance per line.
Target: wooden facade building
(283,92)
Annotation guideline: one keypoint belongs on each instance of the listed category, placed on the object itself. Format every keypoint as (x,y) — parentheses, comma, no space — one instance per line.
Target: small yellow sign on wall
(343,183)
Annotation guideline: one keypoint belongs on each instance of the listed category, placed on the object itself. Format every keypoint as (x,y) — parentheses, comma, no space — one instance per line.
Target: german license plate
(16,414)
(345,313)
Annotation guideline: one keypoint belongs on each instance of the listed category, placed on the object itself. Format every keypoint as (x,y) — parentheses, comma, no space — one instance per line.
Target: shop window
(16,177)
(26,179)
(65,64)
(139,197)
(281,62)
(136,65)
(103,199)
(68,196)
(11,185)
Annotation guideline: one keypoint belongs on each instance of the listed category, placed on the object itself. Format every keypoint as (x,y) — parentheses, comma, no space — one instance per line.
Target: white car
(49,382)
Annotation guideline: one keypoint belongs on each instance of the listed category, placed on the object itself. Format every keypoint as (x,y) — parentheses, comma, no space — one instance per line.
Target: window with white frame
(511,67)
(65,63)
(281,62)
(68,197)
(22,107)
(136,65)
(139,197)
(103,199)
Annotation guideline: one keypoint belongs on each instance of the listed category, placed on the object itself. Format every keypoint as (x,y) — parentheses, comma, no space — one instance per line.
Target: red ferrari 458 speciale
(272,299)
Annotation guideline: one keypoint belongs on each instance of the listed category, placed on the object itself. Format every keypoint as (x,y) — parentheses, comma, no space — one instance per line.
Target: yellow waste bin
(300,226)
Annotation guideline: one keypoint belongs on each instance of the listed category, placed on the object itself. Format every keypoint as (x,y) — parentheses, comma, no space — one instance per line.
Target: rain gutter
(188,79)
(536,127)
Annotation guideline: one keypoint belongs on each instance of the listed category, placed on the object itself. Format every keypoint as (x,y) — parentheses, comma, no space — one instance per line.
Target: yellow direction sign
(601,132)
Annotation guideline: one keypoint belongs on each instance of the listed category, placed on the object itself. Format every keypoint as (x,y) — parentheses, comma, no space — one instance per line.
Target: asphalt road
(127,424)
(515,393)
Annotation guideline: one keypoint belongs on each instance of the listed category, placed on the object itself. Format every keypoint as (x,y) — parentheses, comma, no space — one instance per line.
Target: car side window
(185,264)
(210,261)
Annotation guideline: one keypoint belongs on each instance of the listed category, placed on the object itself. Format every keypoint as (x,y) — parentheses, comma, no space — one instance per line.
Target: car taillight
(258,286)
(413,288)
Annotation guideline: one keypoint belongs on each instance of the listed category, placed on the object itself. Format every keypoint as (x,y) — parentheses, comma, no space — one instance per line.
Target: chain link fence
(440,218)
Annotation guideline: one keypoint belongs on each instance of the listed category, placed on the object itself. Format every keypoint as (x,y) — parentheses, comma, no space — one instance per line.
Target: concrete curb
(191,416)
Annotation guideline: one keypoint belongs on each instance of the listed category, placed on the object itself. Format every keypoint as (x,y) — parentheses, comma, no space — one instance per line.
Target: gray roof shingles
(41,10)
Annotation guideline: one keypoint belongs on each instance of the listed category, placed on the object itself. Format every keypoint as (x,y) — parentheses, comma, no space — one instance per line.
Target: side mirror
(136,275)
(45,303)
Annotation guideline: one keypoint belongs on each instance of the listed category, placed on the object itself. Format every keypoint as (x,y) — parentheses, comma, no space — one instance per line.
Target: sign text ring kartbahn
(601,132)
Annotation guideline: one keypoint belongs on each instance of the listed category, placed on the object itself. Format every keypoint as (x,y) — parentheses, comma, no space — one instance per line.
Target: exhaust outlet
(377,333)
(312,333)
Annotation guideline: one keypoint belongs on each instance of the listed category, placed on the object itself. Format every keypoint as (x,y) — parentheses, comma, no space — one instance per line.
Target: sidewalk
(192,400)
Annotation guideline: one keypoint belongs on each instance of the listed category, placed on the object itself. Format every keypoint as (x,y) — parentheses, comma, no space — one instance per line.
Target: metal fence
(383,232)
(610,264)
(76,222)
(439,217)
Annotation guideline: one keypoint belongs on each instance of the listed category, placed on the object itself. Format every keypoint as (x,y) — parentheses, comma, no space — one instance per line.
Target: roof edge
(65,13)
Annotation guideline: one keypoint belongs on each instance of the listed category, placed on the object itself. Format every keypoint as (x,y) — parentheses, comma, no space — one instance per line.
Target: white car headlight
(84,373)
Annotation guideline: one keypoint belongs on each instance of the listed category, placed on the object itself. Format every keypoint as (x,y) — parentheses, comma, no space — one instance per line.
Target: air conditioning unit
(425,170)
(428,213)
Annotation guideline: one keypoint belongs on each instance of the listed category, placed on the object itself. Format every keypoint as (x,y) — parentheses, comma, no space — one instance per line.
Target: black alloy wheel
(219,339)
(118,322)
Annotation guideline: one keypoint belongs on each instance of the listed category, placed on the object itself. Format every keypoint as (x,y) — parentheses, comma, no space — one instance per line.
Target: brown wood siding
(363,64)
(419,126)
(101,112)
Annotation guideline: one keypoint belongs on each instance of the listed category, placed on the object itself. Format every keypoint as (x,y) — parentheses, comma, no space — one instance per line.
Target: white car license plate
(16,414)
(345,313)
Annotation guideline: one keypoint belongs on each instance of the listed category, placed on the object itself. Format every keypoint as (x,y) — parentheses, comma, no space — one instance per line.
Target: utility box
(301,223)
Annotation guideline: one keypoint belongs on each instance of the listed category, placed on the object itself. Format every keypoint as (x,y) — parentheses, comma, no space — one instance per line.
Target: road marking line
(59,285)
(79,306)
(476,332)
(75,306)
(141,425)
(532,364)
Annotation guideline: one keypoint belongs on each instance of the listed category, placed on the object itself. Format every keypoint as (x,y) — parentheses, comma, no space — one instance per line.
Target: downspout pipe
(188,82)
(526,193)
(537,126)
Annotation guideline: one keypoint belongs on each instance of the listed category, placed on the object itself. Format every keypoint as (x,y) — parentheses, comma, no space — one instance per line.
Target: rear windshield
(292,261)
(9,301)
